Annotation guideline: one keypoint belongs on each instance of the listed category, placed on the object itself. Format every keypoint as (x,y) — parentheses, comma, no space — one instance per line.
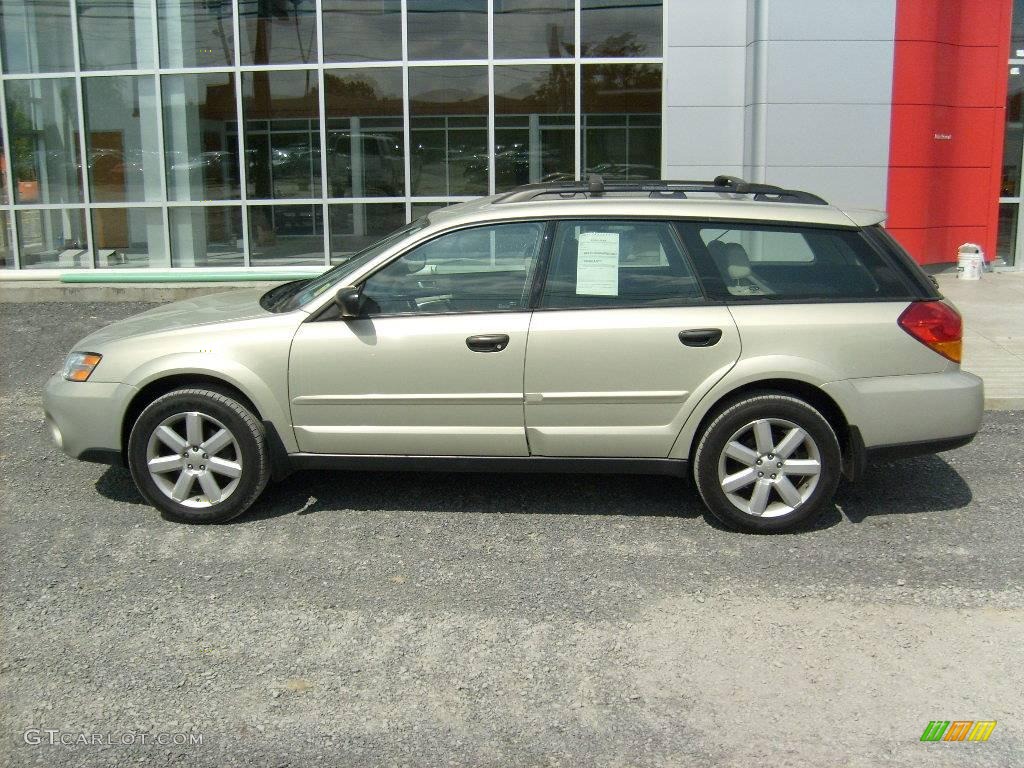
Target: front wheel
(768,463)
(198,455)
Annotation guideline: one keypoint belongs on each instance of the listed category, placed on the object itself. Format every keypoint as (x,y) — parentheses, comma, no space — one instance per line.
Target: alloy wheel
(194,459)
(769,467)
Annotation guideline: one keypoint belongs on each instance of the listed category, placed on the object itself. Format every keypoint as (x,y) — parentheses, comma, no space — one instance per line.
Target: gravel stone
(368,619)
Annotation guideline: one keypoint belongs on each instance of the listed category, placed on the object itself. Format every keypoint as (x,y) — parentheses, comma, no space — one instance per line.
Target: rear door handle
(701,337)
(488,342)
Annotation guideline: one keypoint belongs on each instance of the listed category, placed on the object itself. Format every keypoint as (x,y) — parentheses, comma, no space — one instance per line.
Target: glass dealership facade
(1009,245)
(209,133)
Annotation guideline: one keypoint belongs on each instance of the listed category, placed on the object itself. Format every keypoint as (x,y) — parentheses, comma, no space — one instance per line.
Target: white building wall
(792,92)
(705,84)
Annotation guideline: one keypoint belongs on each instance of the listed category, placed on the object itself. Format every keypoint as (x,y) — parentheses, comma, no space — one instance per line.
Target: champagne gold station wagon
(755,338)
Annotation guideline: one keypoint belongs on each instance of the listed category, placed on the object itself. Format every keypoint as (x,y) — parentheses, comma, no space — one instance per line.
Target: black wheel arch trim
(856,456)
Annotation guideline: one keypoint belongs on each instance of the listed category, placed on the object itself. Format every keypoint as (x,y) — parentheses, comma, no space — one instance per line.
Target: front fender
(251,383)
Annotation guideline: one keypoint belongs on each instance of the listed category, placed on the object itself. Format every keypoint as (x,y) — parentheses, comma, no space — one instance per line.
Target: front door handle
(488,342)
(701,337)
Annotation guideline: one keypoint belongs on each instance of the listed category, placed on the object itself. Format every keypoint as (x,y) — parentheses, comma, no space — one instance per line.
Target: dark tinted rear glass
(741,261)
(912,271)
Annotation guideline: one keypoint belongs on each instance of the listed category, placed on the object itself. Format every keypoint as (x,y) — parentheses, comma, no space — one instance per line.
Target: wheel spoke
(163,464)
(210,487)
(224,467)
(194,427)
(170,438)
(793,440)
(759,499)
(741,479)
(741,453)
(802,467)
(183,487)
(217,443)
(788,492)
(763,436)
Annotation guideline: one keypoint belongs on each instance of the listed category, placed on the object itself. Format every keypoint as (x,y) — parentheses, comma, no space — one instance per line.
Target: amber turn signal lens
(80,365)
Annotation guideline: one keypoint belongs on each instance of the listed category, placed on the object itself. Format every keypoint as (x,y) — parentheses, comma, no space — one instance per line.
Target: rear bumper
(906,450)
(84,418)
(893,413)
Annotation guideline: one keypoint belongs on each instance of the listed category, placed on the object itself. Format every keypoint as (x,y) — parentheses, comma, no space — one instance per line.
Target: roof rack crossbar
(596,186)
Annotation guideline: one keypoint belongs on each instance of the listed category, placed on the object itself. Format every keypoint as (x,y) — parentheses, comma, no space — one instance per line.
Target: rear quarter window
(749,262)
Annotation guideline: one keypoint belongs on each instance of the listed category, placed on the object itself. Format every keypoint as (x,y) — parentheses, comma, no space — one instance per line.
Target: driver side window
(483,269)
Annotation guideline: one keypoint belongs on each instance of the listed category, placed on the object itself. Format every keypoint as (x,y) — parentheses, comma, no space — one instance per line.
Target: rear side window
(765,261)
(610,264)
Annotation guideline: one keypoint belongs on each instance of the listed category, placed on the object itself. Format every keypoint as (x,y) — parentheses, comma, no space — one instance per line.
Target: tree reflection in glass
(277,31)
(282,134)
(621,106)
(602,23)
(448,113)
(364,133)
(533,124)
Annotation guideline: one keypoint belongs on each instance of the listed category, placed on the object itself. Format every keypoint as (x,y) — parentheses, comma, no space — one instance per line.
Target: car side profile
(757,339)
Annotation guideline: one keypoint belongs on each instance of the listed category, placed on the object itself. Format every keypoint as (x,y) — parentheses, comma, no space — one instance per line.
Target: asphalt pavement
(490,620)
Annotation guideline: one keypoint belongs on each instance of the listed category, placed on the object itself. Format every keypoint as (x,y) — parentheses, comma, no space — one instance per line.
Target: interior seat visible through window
(735,263)
(783,261)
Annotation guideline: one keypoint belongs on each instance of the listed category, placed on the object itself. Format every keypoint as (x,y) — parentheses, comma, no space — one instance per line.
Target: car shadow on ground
(922,484)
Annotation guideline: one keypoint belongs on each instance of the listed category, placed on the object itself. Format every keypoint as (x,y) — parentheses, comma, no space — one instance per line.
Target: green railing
(188,277)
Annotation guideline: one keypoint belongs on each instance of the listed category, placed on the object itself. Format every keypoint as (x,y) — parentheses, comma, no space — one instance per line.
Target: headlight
(80,365)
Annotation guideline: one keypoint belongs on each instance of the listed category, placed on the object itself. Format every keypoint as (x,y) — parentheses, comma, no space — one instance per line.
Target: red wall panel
(951,75)
(948,117)
(961,22)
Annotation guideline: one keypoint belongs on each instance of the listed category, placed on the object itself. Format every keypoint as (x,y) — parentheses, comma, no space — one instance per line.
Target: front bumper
(84,418)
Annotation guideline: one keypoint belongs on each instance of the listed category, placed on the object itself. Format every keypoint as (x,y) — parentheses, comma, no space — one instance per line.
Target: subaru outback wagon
(756,338)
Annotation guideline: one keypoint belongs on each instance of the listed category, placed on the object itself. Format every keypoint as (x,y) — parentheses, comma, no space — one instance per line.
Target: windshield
(338,274)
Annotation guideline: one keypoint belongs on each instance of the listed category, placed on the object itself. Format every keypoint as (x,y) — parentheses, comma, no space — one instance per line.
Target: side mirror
(349,301)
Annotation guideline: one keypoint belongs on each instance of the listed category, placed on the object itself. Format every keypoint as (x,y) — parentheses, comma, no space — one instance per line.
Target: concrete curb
(1004,403)
(35,292)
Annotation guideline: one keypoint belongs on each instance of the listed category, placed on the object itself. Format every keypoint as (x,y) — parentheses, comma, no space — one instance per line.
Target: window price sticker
(597,264)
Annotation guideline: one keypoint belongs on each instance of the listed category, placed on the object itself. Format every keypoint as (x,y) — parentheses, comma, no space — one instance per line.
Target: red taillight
(936,325)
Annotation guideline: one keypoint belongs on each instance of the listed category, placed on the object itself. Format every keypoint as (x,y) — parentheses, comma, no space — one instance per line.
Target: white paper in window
(597,264)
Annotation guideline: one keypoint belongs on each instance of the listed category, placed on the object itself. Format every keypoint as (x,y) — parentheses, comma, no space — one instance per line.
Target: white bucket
(970,262)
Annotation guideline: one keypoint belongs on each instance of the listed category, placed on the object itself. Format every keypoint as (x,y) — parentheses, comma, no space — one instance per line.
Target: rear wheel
(198,455)
(768,463)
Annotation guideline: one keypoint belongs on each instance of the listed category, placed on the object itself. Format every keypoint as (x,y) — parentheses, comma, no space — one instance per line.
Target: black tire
(736,416)
(249,444)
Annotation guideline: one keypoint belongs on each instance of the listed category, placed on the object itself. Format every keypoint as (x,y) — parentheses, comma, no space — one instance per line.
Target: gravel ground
(479,620)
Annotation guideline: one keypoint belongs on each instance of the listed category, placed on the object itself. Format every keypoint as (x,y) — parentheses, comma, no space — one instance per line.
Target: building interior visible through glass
(201,153)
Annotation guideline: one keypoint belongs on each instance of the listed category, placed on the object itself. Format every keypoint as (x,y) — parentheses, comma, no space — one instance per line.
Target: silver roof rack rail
(596,186)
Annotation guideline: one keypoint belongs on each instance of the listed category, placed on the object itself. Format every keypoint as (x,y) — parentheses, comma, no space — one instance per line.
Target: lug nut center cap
(773,467)
(195,462)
